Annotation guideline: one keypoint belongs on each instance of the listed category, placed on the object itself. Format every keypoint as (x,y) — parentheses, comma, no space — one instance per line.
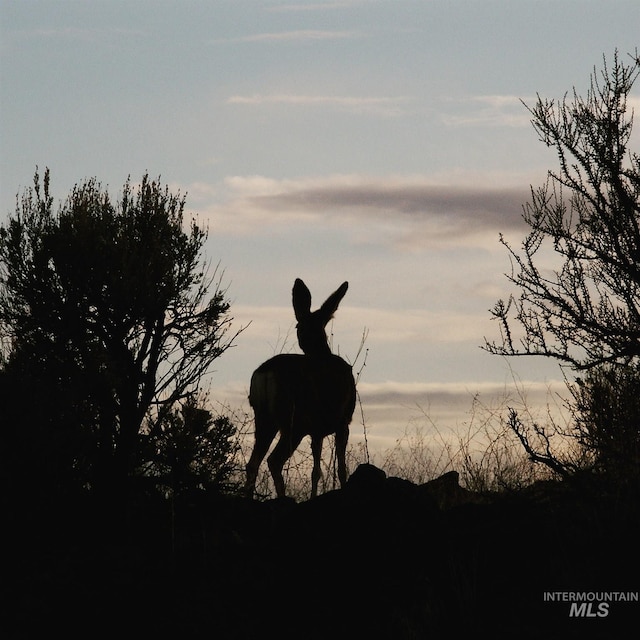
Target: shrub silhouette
(584,312)
(110,318)
(192,450)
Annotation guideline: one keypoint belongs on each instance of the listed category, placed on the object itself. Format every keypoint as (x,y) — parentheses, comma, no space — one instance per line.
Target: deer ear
(301,299)
(330,305)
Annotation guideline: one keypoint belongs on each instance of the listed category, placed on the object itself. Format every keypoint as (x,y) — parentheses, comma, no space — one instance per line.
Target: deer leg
(341,453)
(316,474)
(287,444)
(264,435)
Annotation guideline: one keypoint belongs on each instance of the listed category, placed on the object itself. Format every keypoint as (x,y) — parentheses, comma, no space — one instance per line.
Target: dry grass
(484,450)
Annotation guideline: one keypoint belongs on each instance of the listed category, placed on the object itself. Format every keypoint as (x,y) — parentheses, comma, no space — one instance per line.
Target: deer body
(302,395)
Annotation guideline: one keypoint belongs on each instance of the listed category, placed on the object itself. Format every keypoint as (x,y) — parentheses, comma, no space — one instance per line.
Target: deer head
(312,337)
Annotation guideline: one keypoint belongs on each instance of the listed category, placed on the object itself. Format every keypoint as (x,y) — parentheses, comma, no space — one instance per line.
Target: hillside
(383,558)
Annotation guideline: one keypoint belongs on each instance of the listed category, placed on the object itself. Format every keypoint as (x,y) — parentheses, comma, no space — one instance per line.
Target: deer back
(312,395)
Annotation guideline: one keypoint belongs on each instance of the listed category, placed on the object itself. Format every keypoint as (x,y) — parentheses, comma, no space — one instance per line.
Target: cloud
(436,410)
(447,411)
(460,394)
(498,111)
(411,212)
(488,111)
(475,206)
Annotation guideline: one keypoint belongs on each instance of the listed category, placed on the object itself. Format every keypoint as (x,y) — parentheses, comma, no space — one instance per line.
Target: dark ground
(381,559)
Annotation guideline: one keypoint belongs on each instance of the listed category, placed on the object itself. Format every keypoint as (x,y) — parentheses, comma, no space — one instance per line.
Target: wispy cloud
(381,105)
(498,111)
(488,111)
(450,405)
(411,212)
(413,197)
(391,407)
(459,393)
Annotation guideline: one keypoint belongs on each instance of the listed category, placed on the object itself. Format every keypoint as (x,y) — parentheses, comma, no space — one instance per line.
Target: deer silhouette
(298,395)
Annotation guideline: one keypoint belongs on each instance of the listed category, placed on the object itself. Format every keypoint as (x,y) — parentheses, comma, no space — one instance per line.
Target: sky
(381,142)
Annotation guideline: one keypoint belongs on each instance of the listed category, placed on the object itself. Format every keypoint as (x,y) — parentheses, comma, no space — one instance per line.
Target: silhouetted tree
(578,270)
(109,319)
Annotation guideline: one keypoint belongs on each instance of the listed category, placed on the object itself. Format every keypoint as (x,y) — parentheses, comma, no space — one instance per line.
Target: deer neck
(318,352)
